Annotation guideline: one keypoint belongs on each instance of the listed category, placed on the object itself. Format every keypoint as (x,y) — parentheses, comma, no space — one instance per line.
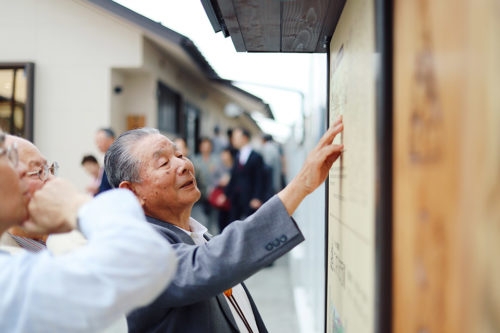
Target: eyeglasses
(10,151)
(44,172)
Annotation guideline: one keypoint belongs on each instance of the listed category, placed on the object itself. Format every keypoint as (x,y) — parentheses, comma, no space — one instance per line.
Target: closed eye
(164,163)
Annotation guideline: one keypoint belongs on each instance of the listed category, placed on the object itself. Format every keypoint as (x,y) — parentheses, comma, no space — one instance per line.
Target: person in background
(219,142)
(89,289)
(92,167)
(223,175)
(206,165)
(232,149)
(246,187)
(272,158)
(103,140)
(39,172)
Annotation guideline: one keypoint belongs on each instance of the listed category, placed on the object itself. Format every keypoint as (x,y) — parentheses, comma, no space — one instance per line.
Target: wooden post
(446,166)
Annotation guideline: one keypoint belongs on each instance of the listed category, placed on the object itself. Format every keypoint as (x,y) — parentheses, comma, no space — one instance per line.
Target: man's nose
(182,167)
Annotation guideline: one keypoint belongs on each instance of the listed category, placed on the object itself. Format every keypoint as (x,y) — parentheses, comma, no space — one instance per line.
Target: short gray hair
(119,163)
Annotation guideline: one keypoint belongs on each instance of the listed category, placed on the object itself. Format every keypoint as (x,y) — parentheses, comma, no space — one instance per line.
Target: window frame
(29,68)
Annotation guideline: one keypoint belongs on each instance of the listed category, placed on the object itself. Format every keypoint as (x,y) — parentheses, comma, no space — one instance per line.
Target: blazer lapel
(221,299)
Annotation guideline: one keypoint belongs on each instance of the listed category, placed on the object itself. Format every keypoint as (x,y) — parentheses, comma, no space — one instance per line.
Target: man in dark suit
(207,293)
(246,187)
(104,138)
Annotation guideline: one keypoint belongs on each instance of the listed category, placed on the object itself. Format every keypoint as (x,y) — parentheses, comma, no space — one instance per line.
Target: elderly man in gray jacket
(207,293)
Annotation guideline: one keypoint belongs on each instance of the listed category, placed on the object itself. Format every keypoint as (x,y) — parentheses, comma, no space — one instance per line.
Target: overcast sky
(286,70)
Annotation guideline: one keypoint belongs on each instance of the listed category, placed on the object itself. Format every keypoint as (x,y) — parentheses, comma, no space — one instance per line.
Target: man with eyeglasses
(38,173)
(86,290)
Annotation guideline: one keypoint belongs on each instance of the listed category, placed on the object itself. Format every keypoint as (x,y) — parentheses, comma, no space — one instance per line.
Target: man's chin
(197,196)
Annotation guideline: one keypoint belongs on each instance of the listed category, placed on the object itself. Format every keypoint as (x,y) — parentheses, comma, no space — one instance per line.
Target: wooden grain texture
(332,17)
(301,24)
(446,166)
(231,20)
(480,203)
(259,24)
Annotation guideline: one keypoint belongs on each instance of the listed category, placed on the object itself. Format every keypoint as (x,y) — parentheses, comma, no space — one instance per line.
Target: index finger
(335,129)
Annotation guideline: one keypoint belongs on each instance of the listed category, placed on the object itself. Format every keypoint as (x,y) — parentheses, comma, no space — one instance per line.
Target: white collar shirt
(196,233)
(244,154)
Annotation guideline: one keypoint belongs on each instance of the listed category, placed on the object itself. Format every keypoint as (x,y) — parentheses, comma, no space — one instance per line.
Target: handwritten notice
(351,210)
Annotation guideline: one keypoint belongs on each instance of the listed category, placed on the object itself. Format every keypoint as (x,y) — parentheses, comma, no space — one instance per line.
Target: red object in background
(218,199)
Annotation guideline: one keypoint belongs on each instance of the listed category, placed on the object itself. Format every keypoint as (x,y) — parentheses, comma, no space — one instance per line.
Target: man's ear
(129,186)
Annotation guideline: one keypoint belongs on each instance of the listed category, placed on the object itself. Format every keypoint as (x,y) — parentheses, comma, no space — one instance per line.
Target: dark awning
(276,25)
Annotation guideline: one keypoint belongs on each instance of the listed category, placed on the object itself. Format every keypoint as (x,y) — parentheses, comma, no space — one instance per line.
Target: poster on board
(350,295)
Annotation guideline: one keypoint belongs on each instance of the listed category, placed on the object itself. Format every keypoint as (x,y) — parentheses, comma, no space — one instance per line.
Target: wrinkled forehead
(29,154)
(151,147)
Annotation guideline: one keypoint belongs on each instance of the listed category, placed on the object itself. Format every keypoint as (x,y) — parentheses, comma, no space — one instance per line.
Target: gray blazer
(194,302)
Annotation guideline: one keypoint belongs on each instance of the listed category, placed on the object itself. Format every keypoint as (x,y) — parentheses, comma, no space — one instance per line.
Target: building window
(177,117)
(169,111)
(16,99)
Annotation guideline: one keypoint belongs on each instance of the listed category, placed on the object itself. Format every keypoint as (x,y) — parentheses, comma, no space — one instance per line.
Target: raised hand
(54,208)
(315,168)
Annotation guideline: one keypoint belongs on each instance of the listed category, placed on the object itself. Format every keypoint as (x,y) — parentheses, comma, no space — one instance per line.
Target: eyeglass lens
(12,154)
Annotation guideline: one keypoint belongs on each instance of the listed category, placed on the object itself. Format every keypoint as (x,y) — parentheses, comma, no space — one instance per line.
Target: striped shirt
(29,244)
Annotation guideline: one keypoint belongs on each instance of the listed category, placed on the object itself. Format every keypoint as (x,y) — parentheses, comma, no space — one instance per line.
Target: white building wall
(74,46)
(138,97)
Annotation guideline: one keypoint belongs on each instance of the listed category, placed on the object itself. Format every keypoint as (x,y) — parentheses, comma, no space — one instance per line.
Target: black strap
(240,312)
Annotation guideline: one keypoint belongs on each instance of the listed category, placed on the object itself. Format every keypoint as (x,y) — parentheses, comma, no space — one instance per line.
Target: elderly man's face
(30,156)
(14,195)
(167,176)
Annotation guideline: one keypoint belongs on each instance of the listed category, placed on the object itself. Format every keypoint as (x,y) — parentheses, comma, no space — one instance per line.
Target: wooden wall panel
(480,205)
(446,166)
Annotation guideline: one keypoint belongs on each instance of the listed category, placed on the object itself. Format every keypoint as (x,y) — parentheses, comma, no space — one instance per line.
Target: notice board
(352,298)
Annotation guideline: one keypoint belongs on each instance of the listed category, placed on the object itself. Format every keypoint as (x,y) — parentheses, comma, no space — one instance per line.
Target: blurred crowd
(235,167)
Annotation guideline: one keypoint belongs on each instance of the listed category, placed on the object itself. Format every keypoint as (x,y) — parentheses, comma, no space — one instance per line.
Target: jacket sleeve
(241,250)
